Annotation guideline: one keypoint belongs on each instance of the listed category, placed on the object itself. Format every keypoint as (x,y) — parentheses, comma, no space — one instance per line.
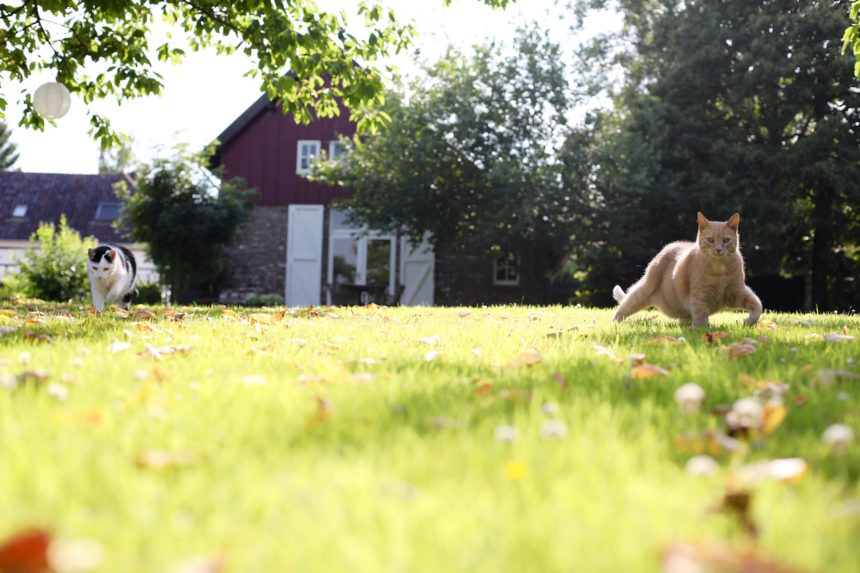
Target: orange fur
(691,281)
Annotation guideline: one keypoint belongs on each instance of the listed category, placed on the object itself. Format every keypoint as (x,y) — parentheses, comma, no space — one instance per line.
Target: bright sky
(203,95)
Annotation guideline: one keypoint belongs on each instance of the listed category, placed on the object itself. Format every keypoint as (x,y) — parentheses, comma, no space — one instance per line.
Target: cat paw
(751,320)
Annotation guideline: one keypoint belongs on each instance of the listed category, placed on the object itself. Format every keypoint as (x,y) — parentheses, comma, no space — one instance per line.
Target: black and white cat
(112,271)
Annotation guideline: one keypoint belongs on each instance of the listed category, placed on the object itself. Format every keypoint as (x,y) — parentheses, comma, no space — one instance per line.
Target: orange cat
(691,281)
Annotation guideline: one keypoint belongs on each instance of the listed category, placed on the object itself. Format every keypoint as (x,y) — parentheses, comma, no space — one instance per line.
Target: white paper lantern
(52,100)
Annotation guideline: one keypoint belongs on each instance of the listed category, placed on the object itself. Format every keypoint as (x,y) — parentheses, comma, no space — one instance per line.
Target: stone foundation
(257,264)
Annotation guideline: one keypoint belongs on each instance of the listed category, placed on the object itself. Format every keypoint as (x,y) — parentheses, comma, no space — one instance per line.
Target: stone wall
(257,264)
(467,279)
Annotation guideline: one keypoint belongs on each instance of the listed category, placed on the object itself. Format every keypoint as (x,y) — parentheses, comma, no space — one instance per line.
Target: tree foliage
(851,37)
(185,219)
(305,58)
(54,267)
(471,157)
(8,150)
(725,106)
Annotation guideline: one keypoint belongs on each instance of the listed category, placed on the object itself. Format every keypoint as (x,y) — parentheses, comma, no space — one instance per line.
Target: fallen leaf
(774,415)
(704,558)
(36,336)
(800,399)
(200,565)
(26,552)
(560,380)
(323,412)
(712,443)
(788,470)
(431,340)
(647,371)
(141,314)
(118,346)
(483,389)
(738,349)
(636,358)
(838,338)
(662,339)
(738,502)
(164,459)
(712,337)
(36,377)
(524,359)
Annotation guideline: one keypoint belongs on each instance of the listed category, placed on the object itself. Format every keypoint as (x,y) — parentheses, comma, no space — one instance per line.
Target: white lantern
(52,100)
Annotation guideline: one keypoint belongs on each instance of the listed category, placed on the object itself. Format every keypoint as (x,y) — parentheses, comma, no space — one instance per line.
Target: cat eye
(710,239)
(726,239)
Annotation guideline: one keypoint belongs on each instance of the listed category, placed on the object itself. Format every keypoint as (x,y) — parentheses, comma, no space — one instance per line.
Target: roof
(263,104)
(49,195)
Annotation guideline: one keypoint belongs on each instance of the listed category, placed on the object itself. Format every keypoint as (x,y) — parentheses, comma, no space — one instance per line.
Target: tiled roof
(49,195)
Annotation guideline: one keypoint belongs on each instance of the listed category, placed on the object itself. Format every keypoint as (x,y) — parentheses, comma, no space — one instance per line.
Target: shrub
(148,293)
(55,267)
(271,299)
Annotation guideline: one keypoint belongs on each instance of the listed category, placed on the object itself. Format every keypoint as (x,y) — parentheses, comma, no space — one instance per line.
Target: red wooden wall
(264,153)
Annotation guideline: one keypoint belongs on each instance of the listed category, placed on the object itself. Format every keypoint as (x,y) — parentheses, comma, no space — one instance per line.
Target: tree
(306,58)
(851,37)
(54,267)
(8,155)
(725,106)
(470,157)
(185,219)
(117,159)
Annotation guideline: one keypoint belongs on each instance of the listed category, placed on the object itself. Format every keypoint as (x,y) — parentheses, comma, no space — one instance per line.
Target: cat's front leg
(699,312)
(749,301)
(98,297)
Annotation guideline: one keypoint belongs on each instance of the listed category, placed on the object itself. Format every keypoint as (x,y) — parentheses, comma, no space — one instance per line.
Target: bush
(148,293)
(55,267)
(271,299)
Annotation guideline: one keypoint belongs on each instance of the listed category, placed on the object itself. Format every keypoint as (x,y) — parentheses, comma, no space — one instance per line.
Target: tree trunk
(821,244)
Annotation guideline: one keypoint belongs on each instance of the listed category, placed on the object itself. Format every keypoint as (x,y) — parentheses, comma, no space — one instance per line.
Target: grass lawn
(411,439)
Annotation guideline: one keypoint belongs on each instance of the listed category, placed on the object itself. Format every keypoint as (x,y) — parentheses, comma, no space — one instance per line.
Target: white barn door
(417,270)
(304,255)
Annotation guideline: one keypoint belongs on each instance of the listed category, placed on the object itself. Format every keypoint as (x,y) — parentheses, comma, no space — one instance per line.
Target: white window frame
(332,145)
(509,261)
(20,210)
(316,145)
(362,239)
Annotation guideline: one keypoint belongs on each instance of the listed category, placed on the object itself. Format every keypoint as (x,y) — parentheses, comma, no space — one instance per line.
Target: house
(299,244)
(88,202)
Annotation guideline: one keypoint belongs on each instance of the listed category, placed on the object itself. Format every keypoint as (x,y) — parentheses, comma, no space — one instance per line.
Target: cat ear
(111,255)
(733,221)
(91,253)
(702,221)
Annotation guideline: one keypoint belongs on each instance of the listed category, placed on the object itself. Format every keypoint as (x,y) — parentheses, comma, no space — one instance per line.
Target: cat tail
(618,294)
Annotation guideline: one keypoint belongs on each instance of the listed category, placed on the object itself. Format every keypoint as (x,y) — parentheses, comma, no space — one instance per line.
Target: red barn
(298,245)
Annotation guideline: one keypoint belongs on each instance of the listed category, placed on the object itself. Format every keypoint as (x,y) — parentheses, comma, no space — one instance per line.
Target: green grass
(356,453)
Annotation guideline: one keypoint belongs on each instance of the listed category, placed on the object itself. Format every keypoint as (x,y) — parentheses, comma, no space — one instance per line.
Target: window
(505,270)
(335,150)
(19,211)
(107,211)
(307,151)
(359,262)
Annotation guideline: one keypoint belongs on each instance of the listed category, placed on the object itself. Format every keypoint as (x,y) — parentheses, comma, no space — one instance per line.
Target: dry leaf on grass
(662,339)
(323,412)
(560,380)
(527,359)
(701,558)
(26,552)
(712,337)
(838,337)
(636,358)
(141,314)
(647,371)
(163,459)
(739,349)
(788,470)
(738,502)
(711,442)
(774,414)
